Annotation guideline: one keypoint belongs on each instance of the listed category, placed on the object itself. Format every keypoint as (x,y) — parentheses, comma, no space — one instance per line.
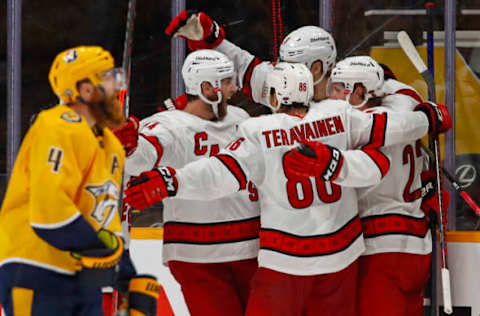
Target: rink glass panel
(359,27)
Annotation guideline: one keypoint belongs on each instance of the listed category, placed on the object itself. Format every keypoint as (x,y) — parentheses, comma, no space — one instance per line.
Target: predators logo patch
(71,117)
(106,201)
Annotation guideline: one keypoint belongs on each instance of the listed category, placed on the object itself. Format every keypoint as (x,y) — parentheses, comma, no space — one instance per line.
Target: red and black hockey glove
(430,195)
(200,31)
(128,135)
(438,116)
(178,104)
(313,159)
(151,187)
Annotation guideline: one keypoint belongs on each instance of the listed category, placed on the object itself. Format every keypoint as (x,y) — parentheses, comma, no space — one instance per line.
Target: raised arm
(205,179)
(201,32)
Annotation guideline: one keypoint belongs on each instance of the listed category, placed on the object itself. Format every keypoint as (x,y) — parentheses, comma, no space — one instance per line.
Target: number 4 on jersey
(55,156)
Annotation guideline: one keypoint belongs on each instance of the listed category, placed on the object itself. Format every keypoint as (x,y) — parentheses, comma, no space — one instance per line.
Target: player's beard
(222,106)
(108,112)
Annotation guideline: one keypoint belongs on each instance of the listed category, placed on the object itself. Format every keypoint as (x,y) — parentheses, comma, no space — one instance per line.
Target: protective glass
(118,76)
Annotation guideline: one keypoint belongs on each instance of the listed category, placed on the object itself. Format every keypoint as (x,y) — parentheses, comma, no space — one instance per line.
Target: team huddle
(316,209)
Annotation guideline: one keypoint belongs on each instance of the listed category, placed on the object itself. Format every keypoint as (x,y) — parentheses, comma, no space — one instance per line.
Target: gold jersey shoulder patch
(72,117)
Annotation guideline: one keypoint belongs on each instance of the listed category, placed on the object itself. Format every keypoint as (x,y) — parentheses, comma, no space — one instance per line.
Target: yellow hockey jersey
(65,172)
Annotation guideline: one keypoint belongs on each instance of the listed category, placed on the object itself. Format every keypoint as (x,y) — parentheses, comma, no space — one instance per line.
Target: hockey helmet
(291,83)
(76,64)
(207,65)
(359,69)
(308,44)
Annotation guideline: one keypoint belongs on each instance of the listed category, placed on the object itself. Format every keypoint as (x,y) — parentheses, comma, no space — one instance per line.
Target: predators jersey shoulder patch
(71,117)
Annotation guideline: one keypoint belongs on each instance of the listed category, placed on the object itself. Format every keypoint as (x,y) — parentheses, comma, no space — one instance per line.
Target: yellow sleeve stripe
(22,300)
(58,224)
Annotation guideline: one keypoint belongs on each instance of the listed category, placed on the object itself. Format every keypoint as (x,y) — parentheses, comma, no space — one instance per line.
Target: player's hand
(151,187)
(430,195)
(128,135)
(438,116)
(313,159)
(178,104)
(200,31)
(141,300)
(105,257)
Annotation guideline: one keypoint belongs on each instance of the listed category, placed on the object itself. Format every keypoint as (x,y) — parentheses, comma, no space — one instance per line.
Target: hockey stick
(412,53)
(112,298)
(466,197)
(432,96)
(125,98)
(127,55)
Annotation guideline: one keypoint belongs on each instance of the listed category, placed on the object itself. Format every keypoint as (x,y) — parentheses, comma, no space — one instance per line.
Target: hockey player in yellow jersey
(61,234)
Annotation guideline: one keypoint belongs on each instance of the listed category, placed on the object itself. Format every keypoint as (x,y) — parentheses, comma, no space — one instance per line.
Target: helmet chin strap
(365,100)
(274,109)
(319,79)
(214,104)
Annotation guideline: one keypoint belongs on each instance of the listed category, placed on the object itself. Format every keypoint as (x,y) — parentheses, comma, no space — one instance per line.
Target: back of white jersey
(199,231)
(390,211)
(308,226)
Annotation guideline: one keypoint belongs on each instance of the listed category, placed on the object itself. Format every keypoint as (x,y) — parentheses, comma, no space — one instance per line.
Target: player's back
(390,211)
(309,226)
(198,231)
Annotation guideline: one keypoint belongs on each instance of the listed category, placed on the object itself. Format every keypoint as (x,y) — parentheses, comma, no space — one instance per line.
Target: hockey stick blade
(417,61)
(411,52)
(447,297)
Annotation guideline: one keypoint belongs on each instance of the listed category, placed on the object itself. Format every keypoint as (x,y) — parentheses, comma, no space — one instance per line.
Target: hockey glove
(105,257)
(141,300)
(100,265)
(151,187)
(178,104)
(430,195)
(200,31)
(438,116)
(313,159)
(128,135)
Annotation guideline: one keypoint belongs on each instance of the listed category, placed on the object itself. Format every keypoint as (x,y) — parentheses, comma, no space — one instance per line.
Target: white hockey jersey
(252,73)
(220,230)
(308,226)
(390,211)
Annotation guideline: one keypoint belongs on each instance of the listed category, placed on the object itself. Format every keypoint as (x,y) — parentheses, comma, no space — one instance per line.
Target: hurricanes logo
(106,201)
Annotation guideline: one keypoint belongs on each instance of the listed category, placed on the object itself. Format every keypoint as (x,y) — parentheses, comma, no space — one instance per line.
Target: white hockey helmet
(308,44)
(359,69)
(291,83)
(206,65)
